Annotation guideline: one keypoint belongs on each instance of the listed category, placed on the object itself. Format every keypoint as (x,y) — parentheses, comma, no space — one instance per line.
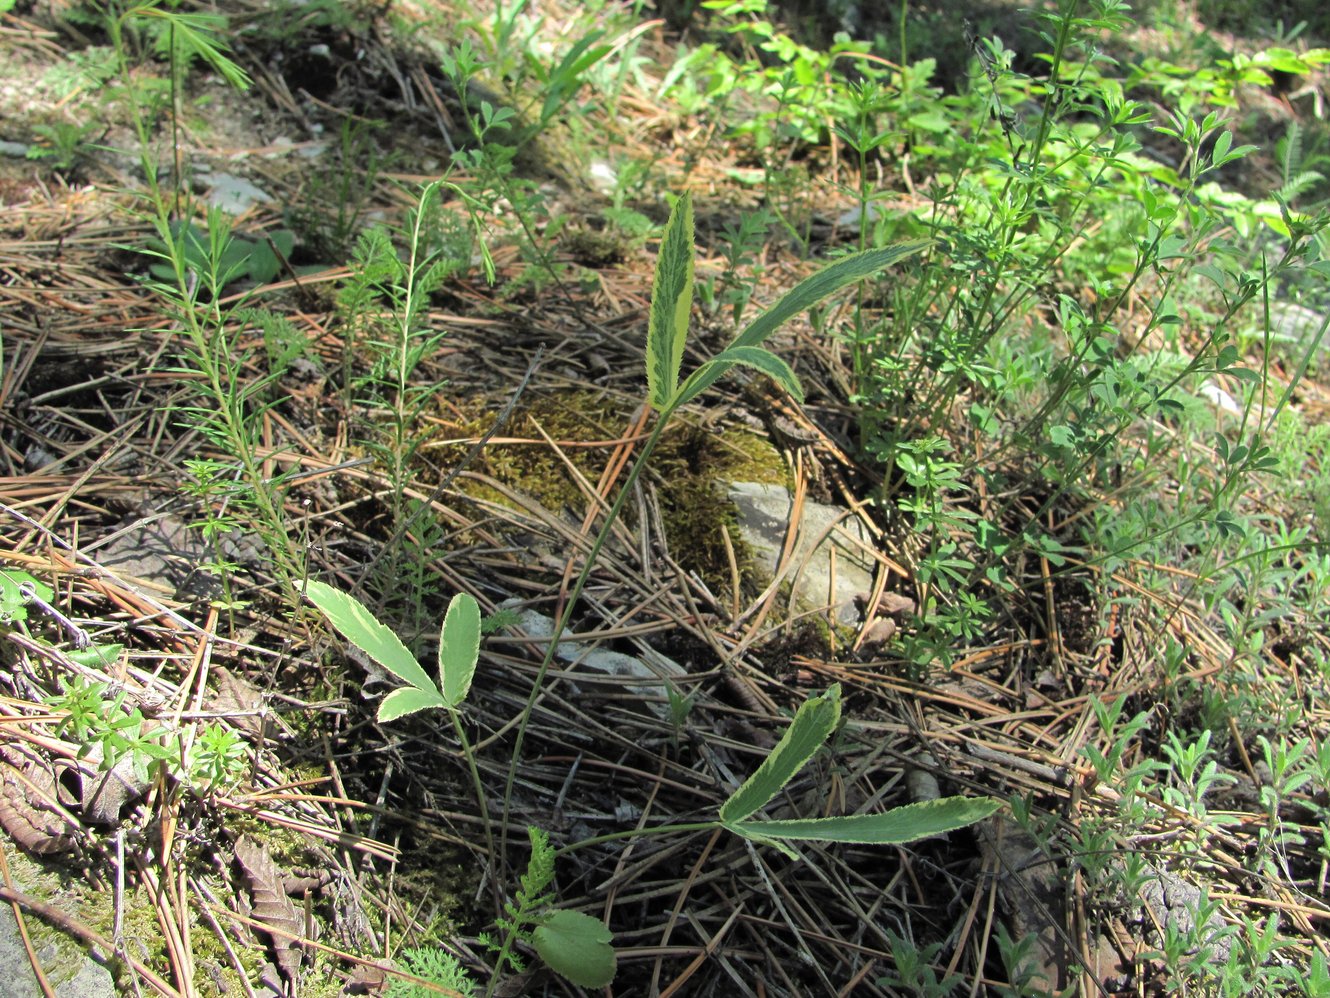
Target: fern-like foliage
(436,966)
(1298,173)
(521,915)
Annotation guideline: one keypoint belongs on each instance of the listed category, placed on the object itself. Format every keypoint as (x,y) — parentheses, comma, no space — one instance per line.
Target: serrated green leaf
(671,305)
(355,623)
(408,700)
(896,827)
(577,947)
(459,647)
(815,720)
(826,281)
(768,363)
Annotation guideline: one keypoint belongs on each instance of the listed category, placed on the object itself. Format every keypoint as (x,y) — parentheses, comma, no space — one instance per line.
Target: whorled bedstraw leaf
(459,647)
(815,720)
(671,305)
(895,827)
(355,623)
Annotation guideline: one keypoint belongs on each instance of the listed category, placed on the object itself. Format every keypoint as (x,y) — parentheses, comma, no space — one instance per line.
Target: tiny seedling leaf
(96,656)
(408,700)
(671,305)
(14,599)
(459,647)
(895,827)
(813,723)
(577,947)
(355,623)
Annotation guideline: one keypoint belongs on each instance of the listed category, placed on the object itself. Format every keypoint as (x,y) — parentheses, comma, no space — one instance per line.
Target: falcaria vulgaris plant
(577,945)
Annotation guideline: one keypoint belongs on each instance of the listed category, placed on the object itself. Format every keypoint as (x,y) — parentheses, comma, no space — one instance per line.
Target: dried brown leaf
(271,905)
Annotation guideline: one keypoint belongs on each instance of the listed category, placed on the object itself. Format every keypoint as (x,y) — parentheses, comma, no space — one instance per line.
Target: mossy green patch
(687,470)
(62,955)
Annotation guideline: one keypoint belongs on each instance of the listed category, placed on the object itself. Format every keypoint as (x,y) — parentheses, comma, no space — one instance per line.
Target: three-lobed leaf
(757,358)
(814,722)
(826,281)
(672,298)
(671,305)
(408,700)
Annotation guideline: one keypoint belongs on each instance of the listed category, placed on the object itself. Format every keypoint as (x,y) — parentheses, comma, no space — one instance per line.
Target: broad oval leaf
(815,720)
(895,827)
(355,623)
(671,305)
(459,647)
(577,947)
(408,700)
(826,281)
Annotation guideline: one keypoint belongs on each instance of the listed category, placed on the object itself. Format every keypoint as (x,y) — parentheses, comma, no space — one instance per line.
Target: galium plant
(192,267)
(98,718)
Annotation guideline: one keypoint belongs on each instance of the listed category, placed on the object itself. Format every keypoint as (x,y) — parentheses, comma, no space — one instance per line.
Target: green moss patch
(687,471)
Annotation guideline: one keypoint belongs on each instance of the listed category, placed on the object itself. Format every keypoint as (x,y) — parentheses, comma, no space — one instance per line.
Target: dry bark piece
(878,633)
(894,604)
(29,810)
(1030,889)
(271,905)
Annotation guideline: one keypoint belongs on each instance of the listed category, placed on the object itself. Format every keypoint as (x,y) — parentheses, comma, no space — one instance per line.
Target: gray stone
(233,194)
(764,520)
(1298,324)
(67,967)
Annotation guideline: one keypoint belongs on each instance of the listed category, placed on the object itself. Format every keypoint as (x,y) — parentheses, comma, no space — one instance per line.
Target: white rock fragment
(825,532)
(643,674)
(1220,399)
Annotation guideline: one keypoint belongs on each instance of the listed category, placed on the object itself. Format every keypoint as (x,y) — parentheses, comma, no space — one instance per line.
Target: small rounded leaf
(577,947)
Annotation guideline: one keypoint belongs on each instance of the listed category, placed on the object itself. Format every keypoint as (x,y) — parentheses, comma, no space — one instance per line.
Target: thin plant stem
(565,616)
